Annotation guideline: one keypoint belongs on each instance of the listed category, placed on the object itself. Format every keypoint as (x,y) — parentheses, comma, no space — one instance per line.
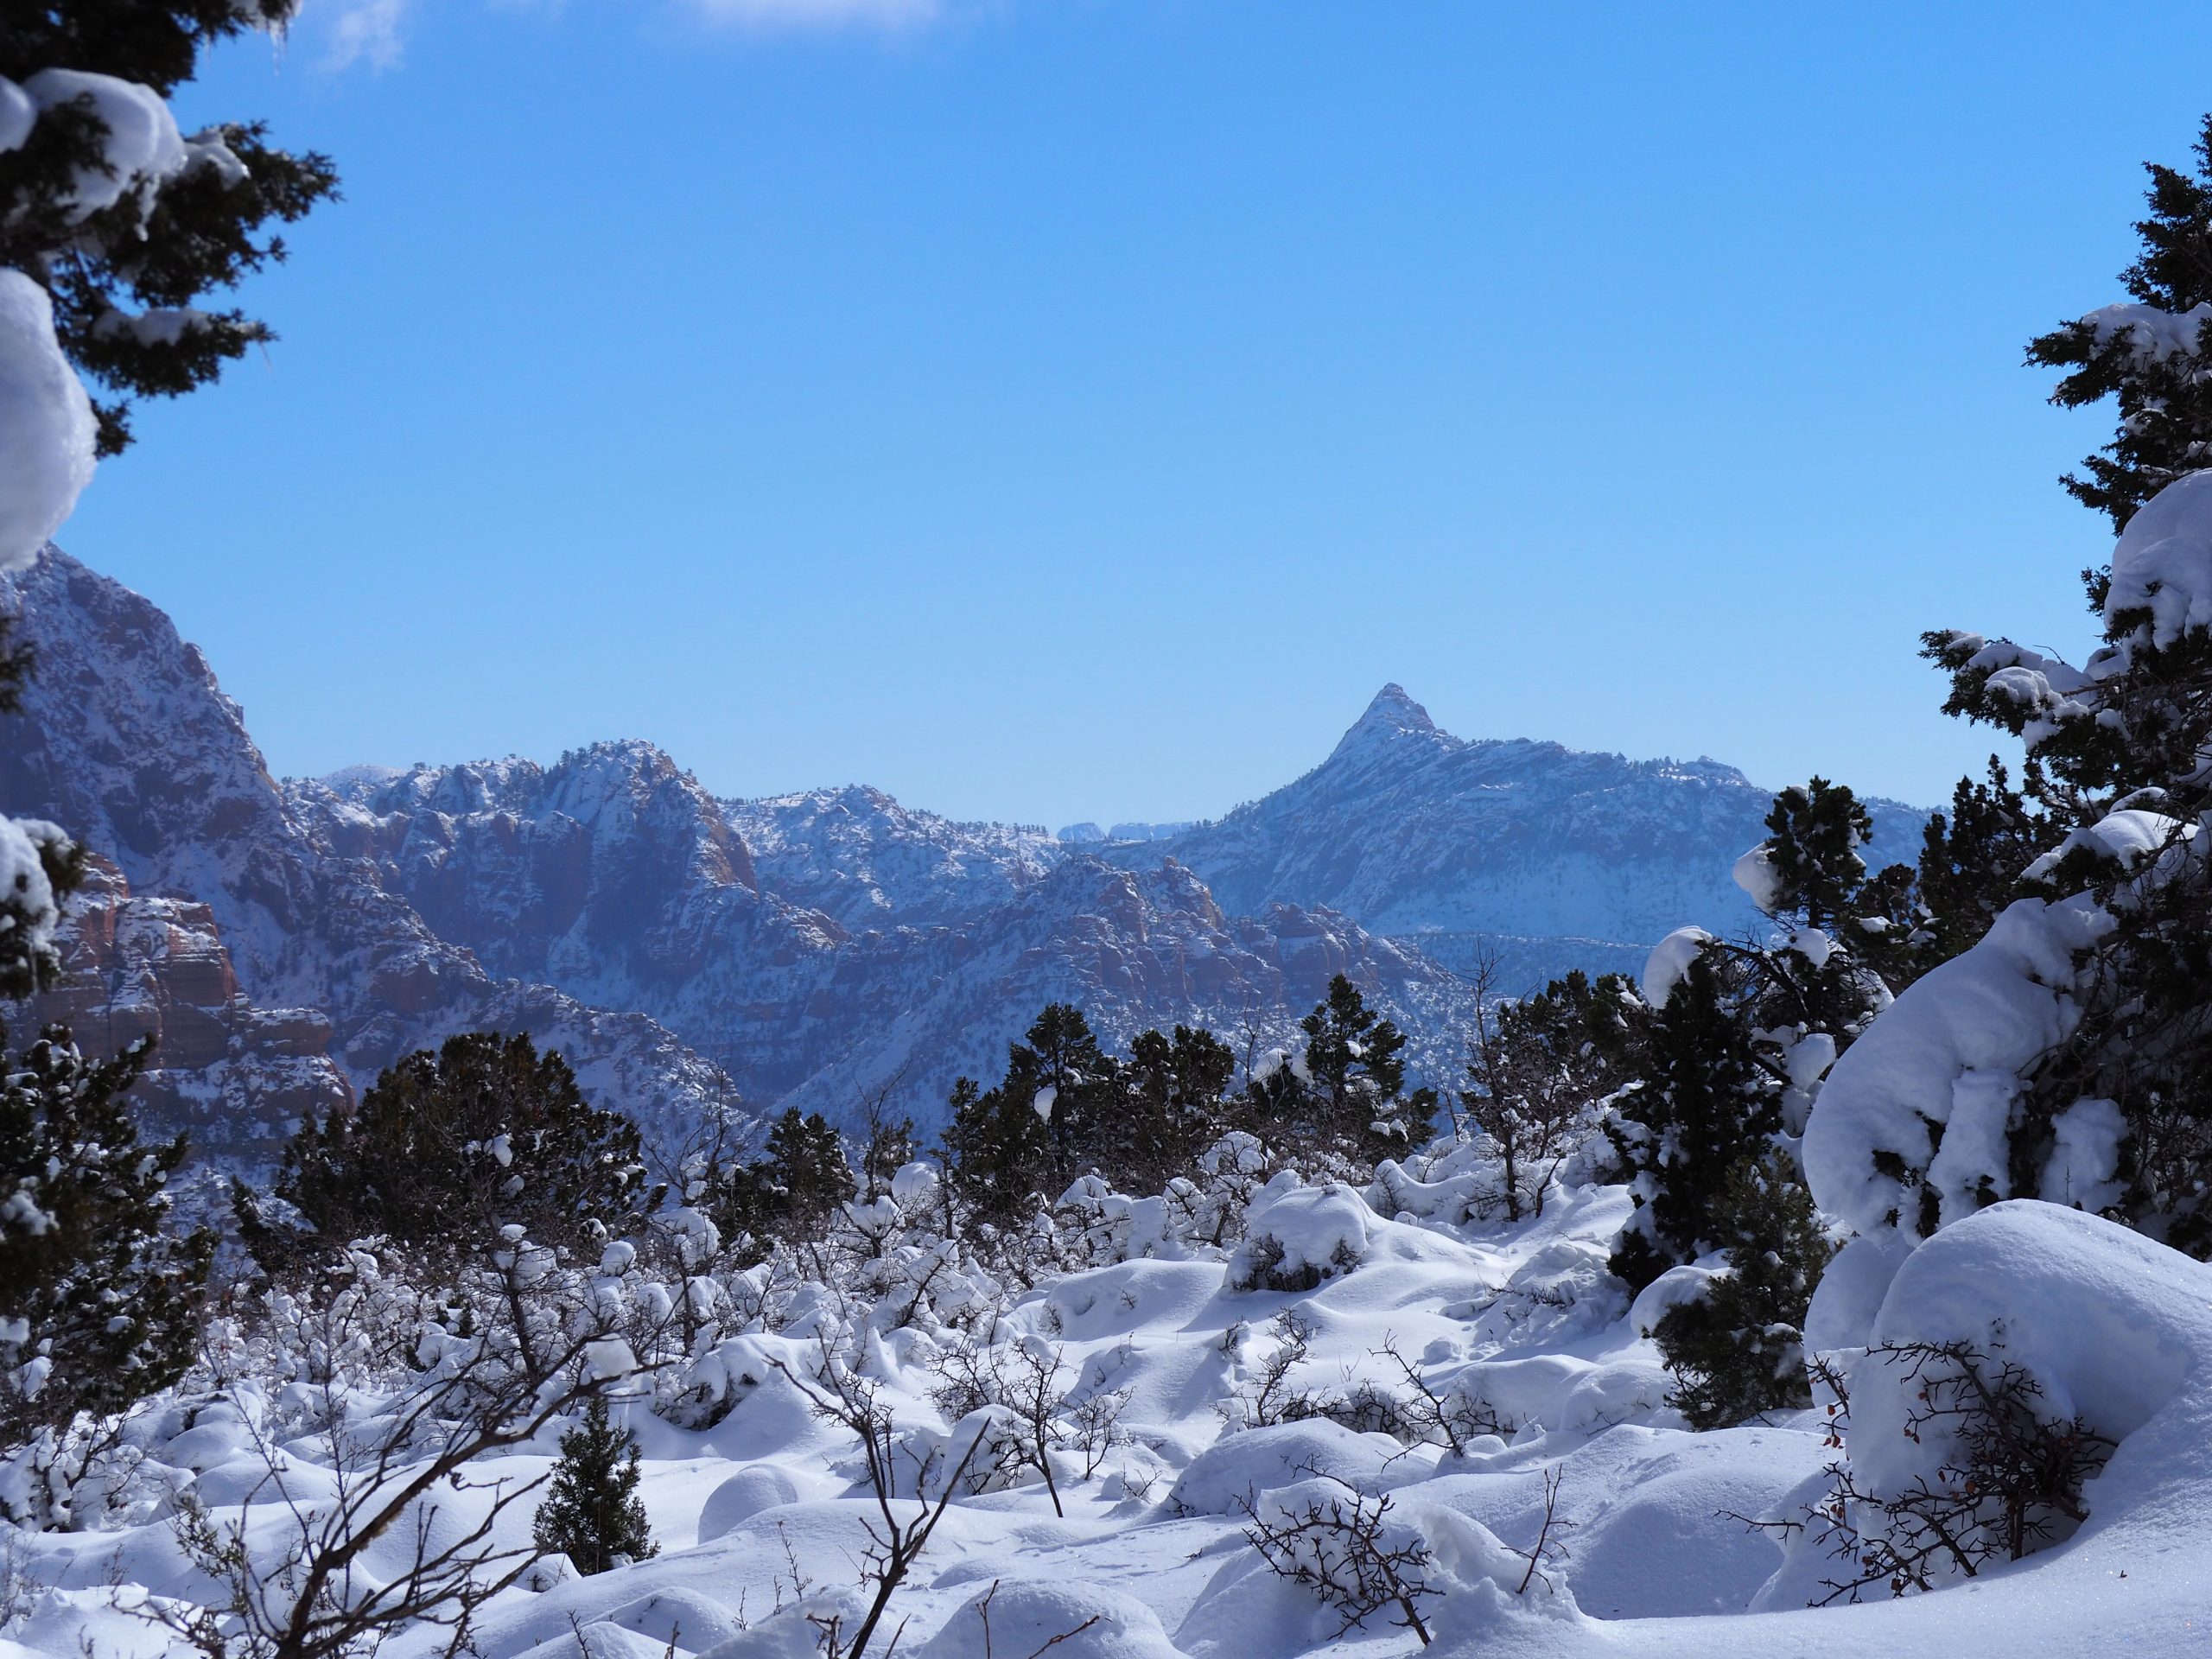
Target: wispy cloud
(367,32)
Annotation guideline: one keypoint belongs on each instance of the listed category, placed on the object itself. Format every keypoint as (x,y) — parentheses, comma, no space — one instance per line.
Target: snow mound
(1243,1465)
(1025,1617)
(743,1496)
(1300,1235)
(2163,561)
(1670,959)
(2111,1324)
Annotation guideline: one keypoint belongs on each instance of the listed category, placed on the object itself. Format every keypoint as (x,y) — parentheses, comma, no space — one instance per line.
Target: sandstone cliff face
(235,1077)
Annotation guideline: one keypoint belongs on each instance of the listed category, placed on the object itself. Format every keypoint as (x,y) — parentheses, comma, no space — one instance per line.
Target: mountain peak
(1391,715)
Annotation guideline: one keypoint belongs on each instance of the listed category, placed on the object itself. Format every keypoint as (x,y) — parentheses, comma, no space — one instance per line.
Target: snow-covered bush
(1297,1235)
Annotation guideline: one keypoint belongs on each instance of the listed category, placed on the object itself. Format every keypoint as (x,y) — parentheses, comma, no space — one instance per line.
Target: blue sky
(1060,409)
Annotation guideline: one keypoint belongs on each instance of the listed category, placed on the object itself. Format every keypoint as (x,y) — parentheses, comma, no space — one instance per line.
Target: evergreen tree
(1345,1101)
(1738,1350)
(2129,730)
(99,1299)
(791,1193)
(1970,861)
(2151,358)
(592,1513)
(1173,1106)
(485,1133)
(1705,1105)
(1052,1117)
(126,237)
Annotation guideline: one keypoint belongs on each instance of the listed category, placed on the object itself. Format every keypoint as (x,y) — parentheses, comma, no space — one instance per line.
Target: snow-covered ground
(762,1517)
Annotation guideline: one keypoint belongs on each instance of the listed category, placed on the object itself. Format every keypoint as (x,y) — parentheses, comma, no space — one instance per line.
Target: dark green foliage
(109,1294)
(2165,399)
(1970,862)
(592,1513)
(204,231)
(483,1134)
(790,1194)
(1050,1118)
(1813,834)
(1705,1106)
(1174,1105)
(1350,1108)
(1738,1350)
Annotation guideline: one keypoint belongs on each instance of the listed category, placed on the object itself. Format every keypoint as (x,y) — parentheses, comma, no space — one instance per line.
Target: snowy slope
(760,1514)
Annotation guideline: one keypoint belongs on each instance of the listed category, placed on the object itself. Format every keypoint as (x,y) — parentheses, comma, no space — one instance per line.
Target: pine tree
(485,1133)
(592,1513)
(2151,358)
(99,1298)
(1738,1350)
(1052,1117)
(2126,731)
(790,1193)
(1174,1105)
(1346,1102)
(1705,1105)
(124,258)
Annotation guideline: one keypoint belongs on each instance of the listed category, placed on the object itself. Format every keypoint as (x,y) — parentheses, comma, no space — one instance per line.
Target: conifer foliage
(1738,1350)
(790,1192)
(99,1297)
(124,221)
(485,1133)
(592,1512)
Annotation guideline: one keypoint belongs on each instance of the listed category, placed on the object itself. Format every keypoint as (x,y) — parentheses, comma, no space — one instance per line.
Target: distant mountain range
(818,949)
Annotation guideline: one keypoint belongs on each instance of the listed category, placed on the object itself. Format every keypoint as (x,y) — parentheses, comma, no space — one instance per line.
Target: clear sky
(1076,409)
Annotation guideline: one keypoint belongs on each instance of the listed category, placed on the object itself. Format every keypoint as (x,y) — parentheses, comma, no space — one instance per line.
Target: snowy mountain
(126,738)
(1543,856)
(815,949)
(822,948)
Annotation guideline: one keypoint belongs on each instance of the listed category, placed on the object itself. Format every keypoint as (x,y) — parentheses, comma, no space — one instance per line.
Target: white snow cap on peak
(1391,713)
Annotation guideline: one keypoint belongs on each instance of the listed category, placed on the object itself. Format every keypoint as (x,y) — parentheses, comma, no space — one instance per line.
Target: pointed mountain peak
(1390,717)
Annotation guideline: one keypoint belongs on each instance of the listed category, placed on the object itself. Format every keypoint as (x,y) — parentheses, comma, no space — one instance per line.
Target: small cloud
(366,31)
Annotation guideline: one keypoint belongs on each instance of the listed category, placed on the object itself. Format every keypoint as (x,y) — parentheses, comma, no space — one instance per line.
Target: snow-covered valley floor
(762,1521)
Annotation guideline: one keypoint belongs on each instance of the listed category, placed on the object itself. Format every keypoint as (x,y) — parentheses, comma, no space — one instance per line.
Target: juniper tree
(1174,1104)
(1345,1100)
(99,1296)
(792,1193)
(484,1133)
(2150,357)
(592,1512)
(1704,1105)
(1737,1350)
(1053,1116)
(123,221)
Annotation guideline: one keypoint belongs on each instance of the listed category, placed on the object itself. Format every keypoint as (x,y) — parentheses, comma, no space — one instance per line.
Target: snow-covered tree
(2068,1054)
(1344,1098)
(119,219)
(99,1296)
(2149,356)
(484,1133)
